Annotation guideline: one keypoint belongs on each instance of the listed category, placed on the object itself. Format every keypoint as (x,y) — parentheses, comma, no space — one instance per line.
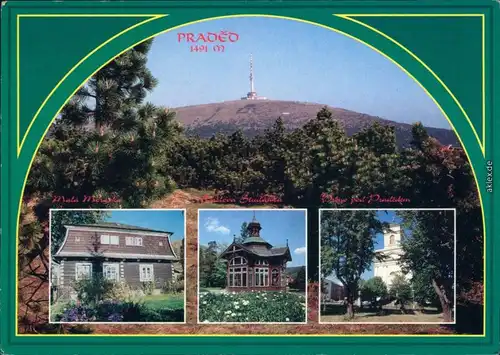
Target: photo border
(306,310)
(395,209)
(184,211)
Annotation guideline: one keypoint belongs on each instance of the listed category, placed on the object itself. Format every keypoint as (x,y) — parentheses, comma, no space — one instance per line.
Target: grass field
(167,300)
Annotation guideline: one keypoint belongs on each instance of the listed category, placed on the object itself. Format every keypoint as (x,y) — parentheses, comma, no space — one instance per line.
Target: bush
(93,290)
(121,291)
(114,311)
(173,286)
(148,287)
(252,307)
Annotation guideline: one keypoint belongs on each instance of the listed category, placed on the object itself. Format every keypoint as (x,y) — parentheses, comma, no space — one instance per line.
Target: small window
(129,241)
(146,272)
(160,243)
(238,261)
(114,239)
(83,271)
(77,239)
(104,239)
(111,272)
(138,241)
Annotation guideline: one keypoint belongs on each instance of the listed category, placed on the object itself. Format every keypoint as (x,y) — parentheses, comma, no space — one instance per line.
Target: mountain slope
(253,117)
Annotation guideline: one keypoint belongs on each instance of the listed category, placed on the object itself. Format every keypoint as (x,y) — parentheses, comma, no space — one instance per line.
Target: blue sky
(169,221)
(292,61)
(388,216)
(277,227)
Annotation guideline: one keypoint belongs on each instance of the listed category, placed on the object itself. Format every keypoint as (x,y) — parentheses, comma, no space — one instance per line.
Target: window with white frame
(261,277)
(110,239)
(83,271)
(238,261)
(111,271)
(238,277)
(261,262)
(133,241)
(146,272)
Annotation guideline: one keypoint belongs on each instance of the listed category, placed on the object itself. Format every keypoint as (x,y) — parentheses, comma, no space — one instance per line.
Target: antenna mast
(251,74)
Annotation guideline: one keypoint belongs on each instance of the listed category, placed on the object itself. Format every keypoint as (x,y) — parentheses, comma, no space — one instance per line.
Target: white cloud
(299,251)
(213,225)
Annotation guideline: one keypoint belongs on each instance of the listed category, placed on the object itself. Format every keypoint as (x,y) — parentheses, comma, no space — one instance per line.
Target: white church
(389,267)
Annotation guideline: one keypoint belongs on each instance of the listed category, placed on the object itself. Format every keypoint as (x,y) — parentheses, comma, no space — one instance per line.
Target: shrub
(114,311)
(121,291)
(176,286)
(148,287)
(92,290)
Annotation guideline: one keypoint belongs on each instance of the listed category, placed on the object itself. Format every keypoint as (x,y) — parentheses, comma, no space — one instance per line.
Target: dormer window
(133,241)
(110,239)
(160,244)
(77,239)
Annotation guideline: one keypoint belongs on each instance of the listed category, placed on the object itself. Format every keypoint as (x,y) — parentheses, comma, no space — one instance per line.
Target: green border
(182,13)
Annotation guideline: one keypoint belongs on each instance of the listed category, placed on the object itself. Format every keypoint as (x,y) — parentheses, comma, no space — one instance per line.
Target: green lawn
(167,300)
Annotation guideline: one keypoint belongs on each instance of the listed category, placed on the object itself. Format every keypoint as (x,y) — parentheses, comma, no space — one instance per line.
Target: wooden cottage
(122,253)
(254,264)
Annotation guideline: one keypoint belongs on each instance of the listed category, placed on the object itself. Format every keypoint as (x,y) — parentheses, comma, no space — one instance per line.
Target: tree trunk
(445,301)
(350,306)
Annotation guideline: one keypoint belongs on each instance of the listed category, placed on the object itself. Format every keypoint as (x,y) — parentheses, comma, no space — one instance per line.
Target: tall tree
(430,251)
(350,235)
(244,233)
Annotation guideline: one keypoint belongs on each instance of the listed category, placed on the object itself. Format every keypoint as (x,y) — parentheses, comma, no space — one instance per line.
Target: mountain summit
(254,116)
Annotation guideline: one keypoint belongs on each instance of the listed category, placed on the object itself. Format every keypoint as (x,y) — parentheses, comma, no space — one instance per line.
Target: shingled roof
(121,226)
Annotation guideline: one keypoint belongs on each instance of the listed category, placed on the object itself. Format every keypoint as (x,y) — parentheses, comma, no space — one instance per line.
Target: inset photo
(117,266)
(252,266)
(388,266)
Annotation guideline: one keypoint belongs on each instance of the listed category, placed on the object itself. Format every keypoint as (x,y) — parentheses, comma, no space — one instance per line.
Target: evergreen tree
(244,233)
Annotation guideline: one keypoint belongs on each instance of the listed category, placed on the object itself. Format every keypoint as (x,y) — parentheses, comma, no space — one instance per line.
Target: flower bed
(276,307)
(114,311)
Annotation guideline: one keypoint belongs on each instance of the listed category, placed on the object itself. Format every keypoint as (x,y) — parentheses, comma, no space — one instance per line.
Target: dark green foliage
(112,311)
(212,269)
(430,251)
(401,291)
(373,290)
(299,281)
(91,291)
